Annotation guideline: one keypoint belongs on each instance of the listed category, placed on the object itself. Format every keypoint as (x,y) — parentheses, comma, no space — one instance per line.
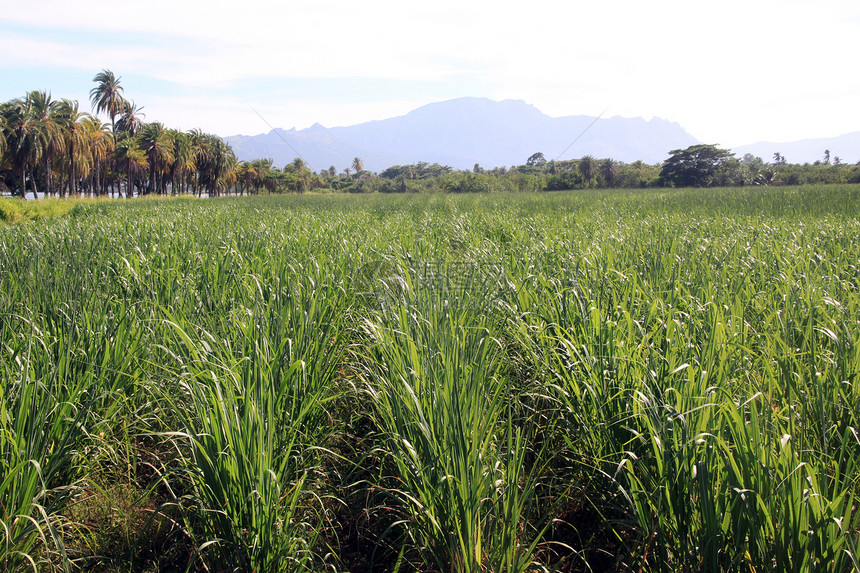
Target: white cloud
(232,116)
(730,73)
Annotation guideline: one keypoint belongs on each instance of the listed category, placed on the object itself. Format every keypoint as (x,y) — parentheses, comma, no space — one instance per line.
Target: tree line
(700,165)
(51,148)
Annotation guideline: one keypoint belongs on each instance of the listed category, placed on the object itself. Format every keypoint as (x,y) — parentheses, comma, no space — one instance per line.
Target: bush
(564,180)
(11,210)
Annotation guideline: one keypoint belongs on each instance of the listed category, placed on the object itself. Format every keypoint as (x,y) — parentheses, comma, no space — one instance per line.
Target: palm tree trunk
(128,183)
(71,178)
(95,181)
(48,178)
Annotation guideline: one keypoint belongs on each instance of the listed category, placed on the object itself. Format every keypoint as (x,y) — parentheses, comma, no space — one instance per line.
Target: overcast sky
(730,72)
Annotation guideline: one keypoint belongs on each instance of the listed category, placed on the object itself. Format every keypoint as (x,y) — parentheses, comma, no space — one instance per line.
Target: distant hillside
(466,131)
(846,147)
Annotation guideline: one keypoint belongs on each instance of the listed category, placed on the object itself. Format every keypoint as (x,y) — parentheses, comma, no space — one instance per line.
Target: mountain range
(845,147)
(467,131)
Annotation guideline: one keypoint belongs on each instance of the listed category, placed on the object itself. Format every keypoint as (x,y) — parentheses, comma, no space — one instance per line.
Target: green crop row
(594,381)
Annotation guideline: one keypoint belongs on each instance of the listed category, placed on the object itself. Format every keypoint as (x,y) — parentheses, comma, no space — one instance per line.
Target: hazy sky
(730,72)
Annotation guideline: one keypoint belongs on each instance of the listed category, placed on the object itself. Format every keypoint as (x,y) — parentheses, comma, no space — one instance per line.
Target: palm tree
(100,147)
(17,140)
(262,170)
(201,154)
(43,111)
(302,172)
(357,165)
(587,168)
(3,145)
(131,120)
(26,139)
(156,142)
(129,154)
(247,172)
(296,165)
(609,170)
(243,176)
(5,159)
(136,166)
(69,118)
(183,160)
(218,168)
(225,165)
(231,170)
(106,97)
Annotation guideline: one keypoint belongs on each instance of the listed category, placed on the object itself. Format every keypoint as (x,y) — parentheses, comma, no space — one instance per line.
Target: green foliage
(420,170)
(564,180)
(697,166)
(469,183)
(394,186)
(17,210)
(637,175)
(444,411)
(656,380)
(360,186)
(250,412)
(536,160)
(11,210)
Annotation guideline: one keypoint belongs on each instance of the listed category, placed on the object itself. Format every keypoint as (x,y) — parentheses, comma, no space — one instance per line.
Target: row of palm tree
(51,147)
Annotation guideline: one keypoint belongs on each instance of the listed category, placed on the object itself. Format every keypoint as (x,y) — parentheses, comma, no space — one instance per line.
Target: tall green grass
(60,388)
(445,412)
(625,380)
(723,408)
(20,211)
(251,416)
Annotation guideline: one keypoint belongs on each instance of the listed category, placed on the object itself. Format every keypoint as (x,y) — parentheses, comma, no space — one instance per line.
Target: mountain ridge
(466,131)
(845,146)
(463,132)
